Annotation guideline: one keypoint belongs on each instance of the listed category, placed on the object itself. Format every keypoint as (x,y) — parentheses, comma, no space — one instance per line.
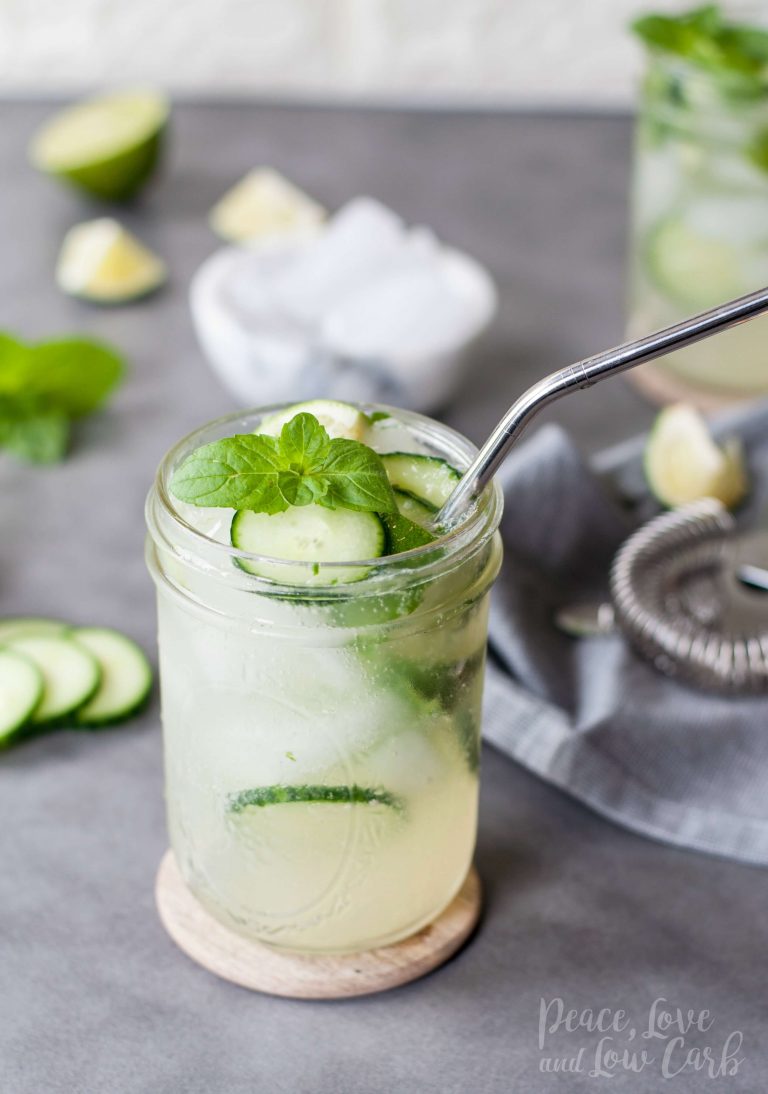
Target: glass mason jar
(699,221)
(321,742)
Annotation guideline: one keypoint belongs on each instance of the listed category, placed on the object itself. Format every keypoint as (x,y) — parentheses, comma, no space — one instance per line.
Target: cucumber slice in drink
(21,689)
(126,677)
(309,534)
(420,512)
(694,269)
(108,146)
(339,419)
(100,261)
(260,796)
(429,479)
(70,673)
(682,463)
(31,627)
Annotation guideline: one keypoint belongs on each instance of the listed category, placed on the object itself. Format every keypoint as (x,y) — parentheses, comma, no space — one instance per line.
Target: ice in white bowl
(368,309)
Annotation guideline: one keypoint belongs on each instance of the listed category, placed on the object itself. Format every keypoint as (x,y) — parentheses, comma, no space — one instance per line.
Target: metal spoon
(583,374)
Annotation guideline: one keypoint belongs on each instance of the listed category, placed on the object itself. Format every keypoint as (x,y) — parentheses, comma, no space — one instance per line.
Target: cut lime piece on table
(108,146)
(102,262)
(694,269)
(265,204)
(683,463)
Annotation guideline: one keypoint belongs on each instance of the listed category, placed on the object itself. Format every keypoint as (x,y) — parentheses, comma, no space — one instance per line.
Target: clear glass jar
(322,743)
(699,222)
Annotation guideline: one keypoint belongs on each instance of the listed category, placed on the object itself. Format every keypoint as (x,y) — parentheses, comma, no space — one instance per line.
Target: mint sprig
(301,467)
(44,387)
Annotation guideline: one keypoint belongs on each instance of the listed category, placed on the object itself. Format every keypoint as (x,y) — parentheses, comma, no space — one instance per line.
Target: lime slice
(682,462)
(101,261)
(264,204)
(108,146)
(260,796)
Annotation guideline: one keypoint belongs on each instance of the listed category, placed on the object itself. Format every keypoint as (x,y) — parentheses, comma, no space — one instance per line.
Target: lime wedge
(101,261)
(108,146)
(264,204)
(682,462)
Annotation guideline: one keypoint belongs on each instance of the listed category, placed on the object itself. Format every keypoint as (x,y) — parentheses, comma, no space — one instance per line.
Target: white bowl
(262,356)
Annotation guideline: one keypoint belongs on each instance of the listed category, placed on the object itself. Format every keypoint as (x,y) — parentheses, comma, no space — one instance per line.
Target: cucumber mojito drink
(699,233)
(322,658)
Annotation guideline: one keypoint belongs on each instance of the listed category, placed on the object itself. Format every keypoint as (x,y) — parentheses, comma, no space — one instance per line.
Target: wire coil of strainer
(678,600)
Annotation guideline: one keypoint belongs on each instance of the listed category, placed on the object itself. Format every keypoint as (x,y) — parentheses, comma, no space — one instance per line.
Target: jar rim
(167,523)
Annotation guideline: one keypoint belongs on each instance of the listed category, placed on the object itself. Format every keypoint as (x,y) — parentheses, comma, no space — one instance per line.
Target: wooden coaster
(306,976)
(661,386)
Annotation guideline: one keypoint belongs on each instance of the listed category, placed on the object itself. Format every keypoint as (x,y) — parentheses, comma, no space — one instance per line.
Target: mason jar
(321,742)
(699,224)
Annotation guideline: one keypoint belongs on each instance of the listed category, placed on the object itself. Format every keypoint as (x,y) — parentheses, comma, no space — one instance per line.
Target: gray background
(94,997)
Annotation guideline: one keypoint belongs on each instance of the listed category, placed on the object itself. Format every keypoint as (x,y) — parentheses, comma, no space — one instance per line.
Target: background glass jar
(699,222)
(322,743)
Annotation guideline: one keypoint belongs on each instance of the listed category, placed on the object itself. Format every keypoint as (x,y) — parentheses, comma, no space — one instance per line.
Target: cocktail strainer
(679,597)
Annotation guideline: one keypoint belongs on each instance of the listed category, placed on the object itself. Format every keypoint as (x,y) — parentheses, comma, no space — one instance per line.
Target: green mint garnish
(44,386)
(302,466)
(705,38)
(378,416)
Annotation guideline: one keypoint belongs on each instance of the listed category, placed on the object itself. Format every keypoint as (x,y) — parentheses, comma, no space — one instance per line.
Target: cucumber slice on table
(339,419)
(31,627)
(694,269)
(260,796)
(126,676)
(429,479)
(310,533)
(21,689)
(70,674)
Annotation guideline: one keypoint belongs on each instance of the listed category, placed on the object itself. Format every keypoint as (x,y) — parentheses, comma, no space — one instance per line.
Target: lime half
(265,204)
(682,462)
(108,146)
(102,262)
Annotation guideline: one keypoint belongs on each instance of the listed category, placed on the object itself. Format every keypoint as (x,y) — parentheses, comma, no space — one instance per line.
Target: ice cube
(360,242)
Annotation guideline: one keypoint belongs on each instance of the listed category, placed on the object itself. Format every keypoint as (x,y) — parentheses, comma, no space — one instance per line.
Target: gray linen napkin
(587,714)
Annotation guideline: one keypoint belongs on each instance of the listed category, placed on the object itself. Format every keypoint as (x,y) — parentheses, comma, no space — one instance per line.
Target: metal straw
(583,374)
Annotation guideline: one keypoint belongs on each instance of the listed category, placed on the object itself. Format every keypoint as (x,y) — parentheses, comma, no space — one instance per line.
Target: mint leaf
(356,478)
(72,376)
(240,472)
(404,534)
(36,438)
(377,416)
(304,442)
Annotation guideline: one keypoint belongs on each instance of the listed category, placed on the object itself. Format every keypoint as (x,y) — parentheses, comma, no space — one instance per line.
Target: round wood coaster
(307,976)
(661,386)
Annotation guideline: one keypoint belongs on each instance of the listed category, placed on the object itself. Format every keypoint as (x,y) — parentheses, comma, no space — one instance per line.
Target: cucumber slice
(126,676)
(31,627)
(694,269)
(682,463)
(429,479)
(310,533)
(340,419)
(420,512)
(21,689)
(70,673)
(260,796)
